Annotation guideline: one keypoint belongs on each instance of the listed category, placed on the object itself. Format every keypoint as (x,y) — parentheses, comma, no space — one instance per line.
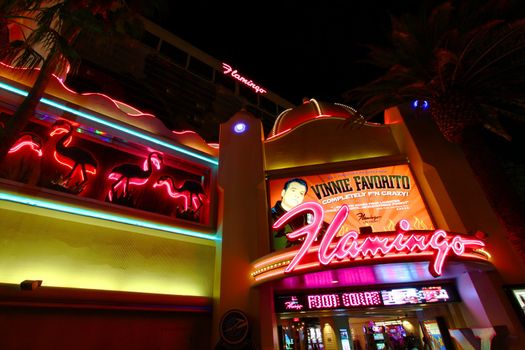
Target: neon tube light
(228,70)
(351,246)
(104,216)
(26,142)
(112,125)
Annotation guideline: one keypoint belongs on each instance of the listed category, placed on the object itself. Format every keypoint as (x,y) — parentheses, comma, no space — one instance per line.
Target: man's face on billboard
(293,195)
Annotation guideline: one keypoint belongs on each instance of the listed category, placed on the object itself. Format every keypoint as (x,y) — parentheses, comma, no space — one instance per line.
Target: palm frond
(465,57)
(496,51)
(21,54)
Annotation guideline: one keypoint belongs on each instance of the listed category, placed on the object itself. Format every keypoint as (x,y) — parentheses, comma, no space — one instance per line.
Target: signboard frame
(343,183)
(301,297)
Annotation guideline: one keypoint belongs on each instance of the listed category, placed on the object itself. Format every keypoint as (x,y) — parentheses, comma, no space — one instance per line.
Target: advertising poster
(378,198)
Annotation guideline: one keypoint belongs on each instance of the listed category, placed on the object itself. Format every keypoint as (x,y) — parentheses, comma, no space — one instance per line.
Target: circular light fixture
(240,127)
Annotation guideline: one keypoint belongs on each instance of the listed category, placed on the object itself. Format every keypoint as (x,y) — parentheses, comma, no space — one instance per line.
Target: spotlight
(239,127)
(30,284)
(421,104)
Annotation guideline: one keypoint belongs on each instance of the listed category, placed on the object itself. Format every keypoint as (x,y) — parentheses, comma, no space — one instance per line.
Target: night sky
(293,48)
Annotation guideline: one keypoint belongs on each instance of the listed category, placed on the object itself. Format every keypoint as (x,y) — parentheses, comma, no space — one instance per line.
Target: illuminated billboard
(377,198)
(349,299)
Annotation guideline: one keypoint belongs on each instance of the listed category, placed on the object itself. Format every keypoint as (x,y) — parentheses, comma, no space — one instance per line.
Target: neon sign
(71,156)
(30,142)
(132,174)
(334,301)
(194,191)
(366,298)
(351,245)
(293,304)
(228,70)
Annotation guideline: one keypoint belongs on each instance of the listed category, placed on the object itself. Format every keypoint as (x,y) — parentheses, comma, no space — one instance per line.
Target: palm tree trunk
(16,124)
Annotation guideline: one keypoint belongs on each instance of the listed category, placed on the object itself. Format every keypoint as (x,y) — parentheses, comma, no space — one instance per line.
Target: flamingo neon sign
(436,245)
(228,70)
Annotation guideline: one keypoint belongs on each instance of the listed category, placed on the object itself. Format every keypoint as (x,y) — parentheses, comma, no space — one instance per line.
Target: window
(200,68)
(174,54)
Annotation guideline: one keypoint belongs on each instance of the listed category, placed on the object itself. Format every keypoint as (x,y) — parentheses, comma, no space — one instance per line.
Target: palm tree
(55,26)
(467,60)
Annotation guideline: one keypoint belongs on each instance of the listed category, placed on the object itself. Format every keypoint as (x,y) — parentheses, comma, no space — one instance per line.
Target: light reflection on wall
(356,276)
(64,253)
(323,278)
(403,272)
(360,275)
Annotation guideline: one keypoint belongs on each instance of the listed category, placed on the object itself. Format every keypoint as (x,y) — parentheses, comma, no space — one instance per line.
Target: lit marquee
(334,301)
(356,299)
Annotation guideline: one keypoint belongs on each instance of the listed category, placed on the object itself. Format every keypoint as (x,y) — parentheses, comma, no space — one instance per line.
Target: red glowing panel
(350,245)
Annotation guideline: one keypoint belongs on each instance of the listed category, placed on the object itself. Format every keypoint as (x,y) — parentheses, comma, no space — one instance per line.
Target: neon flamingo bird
(30,141)
(72,156)
(193,188)
(133,174)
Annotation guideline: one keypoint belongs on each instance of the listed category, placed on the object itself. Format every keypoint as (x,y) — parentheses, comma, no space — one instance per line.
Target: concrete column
(485,305)
(244,227)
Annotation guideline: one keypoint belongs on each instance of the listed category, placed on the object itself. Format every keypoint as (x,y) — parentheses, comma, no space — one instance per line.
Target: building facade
(350,274)
(109,226)
(316,230)
(164,75)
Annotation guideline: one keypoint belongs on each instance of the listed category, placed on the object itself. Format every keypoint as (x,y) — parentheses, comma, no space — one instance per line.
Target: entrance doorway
(371,329)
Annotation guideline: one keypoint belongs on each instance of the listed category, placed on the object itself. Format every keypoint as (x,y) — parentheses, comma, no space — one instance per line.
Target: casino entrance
(394,318)
(367,329)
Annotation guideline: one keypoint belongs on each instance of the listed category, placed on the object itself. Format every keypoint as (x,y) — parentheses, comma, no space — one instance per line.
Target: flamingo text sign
(228,70)
(436,244)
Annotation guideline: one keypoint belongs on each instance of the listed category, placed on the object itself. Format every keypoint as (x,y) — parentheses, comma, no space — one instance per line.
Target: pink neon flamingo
(72,156)
(133,174)
(28,140)
(195,192)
